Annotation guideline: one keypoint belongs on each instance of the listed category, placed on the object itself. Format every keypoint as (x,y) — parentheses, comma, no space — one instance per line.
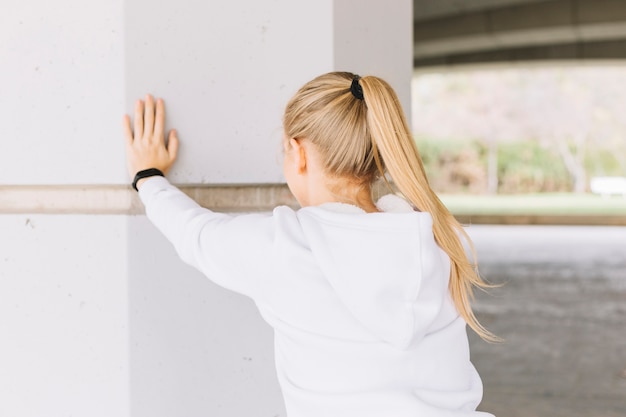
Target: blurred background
(524,130)
(554,133)
(518,111)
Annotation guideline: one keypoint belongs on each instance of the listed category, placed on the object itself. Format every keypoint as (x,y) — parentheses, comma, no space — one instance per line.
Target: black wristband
(150,172)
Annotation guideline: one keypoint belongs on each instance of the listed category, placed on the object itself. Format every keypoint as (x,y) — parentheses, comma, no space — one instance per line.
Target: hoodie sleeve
(232,251)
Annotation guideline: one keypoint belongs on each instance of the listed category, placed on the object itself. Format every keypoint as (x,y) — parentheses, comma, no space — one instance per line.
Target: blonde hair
(363,139)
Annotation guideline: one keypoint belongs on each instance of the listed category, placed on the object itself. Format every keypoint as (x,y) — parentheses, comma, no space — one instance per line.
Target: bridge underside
(449,32)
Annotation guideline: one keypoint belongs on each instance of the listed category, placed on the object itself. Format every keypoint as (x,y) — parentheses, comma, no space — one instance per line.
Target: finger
(139,119)
(148,118)
(159,122)
(172,145)
(128,133)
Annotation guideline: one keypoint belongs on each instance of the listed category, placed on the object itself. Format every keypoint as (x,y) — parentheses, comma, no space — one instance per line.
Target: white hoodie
(364,324)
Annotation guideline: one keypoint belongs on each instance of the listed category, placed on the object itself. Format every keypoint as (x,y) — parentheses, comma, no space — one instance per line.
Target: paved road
(562,311)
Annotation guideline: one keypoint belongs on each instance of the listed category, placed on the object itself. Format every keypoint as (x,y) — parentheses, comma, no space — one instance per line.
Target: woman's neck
(312,186)
(344,191)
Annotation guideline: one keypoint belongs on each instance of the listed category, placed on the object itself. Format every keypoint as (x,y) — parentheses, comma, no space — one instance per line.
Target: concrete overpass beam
(556,29)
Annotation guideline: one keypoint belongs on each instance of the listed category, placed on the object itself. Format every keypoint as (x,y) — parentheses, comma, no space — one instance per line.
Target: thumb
(172,145)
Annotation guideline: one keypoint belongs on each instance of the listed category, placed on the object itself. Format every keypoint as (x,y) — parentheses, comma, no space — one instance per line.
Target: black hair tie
(356,89)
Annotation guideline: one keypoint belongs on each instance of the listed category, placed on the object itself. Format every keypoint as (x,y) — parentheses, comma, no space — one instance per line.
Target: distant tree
(573,111)
(557,113)
(470,106)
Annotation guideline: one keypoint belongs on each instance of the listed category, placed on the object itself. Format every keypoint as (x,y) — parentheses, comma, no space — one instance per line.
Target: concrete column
(63,278)
(97,314)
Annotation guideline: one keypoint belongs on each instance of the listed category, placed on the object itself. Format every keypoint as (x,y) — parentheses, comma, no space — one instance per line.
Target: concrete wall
(97,315)
(62,91)
(64,325)
(63,316)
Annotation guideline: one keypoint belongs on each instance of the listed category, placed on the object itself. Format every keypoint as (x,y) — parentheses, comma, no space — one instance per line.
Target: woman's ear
(299,153)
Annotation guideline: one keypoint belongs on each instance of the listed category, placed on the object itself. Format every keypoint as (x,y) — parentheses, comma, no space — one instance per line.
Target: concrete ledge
(121,199)
(68,199)
(241,198)
(539,219)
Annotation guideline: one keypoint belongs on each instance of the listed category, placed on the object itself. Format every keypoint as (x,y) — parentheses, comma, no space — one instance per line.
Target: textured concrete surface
(562,311)
(448,32)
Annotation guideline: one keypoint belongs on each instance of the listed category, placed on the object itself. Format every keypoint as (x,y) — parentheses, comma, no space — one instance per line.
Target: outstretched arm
(233,251)
(145,141)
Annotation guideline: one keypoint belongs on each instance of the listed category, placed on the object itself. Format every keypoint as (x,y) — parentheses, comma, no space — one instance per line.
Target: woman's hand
(145,142)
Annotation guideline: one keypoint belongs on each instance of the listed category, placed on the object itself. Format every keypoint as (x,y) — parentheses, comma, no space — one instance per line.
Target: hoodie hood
(385,267)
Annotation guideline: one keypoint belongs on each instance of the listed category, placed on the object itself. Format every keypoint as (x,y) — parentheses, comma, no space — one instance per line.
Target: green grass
(535,204)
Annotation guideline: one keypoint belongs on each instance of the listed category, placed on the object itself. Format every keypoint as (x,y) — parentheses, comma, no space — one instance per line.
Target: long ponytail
(391,137)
